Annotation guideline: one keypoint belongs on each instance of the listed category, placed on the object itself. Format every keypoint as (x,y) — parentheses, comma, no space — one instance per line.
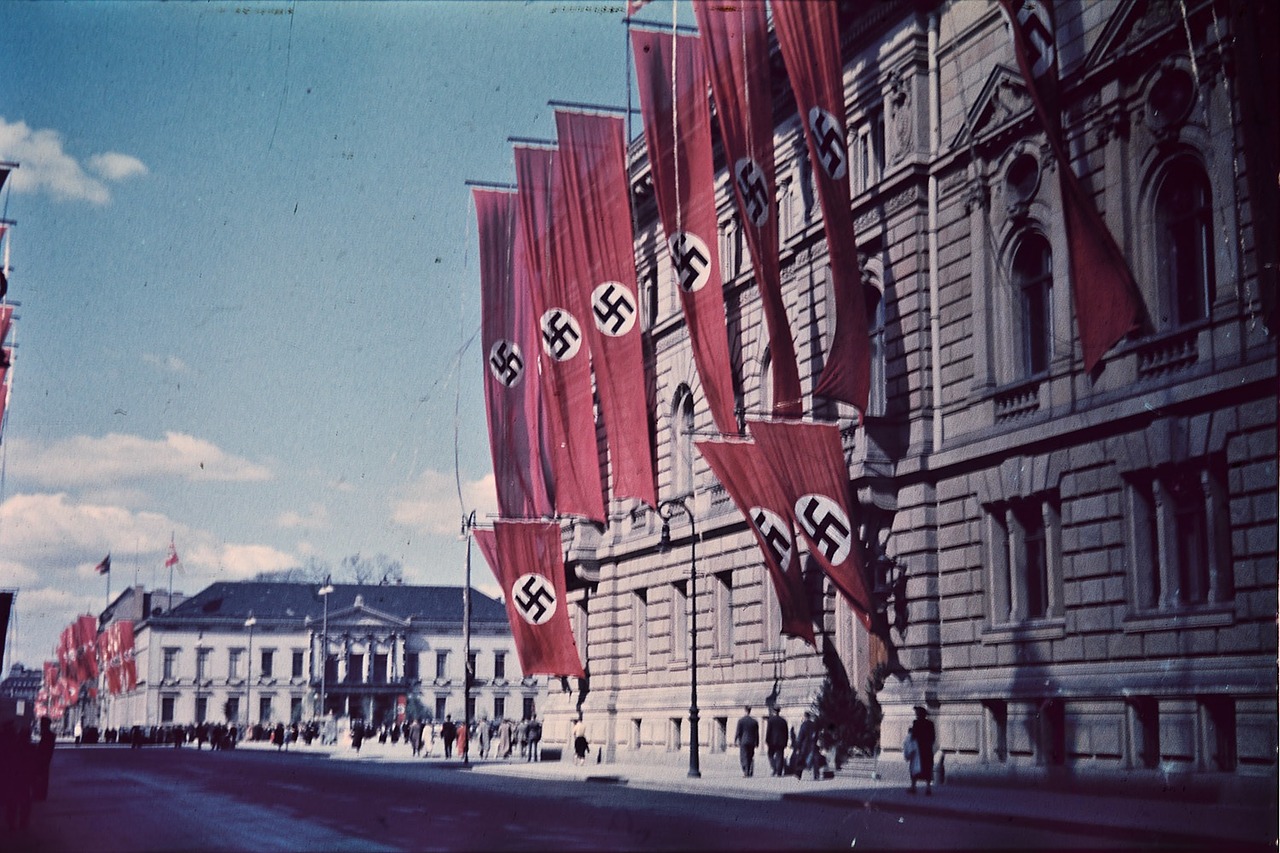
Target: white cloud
(51,544)
(87,461)
(430,503)
(317,518)
(170,363)
(117,167)
(46,167)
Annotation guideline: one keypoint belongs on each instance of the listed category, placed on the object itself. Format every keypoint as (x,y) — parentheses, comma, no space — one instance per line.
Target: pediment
(1132,25)
(1003,100)
(359,615)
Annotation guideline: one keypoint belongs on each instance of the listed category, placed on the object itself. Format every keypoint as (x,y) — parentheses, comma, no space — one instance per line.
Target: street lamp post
(324,593)
(468,522)
(248,671)
(666,509)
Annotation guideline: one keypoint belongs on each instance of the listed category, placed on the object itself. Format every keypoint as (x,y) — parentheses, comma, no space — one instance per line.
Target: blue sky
(246,262)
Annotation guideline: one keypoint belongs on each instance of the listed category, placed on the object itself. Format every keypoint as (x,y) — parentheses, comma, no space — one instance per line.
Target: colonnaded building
(1090,559)
(263,652)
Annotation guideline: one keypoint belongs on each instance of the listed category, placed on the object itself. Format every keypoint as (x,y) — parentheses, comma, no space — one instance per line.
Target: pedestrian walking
(504,738)
(448,734)
(804,748)
(535,737)
(925,737)
(775,741)
(415,737)
(483,735)
(462,740)
(747,738)
(580,745)
(522,737)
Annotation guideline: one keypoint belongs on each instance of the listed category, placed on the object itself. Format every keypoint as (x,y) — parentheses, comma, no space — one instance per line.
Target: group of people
(492,738)
(24,771)
(806,754)
(806,748)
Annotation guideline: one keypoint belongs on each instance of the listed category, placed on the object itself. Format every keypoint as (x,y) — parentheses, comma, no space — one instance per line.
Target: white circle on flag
(776,533)
(691,260)
(614,307)
(534,598)
(506,362)
(828,143)
(561,334)
(826,525)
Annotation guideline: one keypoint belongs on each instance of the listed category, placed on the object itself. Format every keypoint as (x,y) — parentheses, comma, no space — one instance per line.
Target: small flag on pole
(104,568)
(171,560)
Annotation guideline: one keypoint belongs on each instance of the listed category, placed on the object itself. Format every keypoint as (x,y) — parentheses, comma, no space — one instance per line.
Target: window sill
(1208,616)
(1038,629)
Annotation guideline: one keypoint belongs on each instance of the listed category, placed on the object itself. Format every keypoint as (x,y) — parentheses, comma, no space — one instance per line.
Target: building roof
(284,601)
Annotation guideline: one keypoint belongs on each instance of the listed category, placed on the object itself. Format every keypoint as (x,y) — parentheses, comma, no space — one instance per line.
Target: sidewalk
(1141,817)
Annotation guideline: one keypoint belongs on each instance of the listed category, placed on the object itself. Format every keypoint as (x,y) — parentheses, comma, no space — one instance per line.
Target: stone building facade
(1090,559)
(386,645)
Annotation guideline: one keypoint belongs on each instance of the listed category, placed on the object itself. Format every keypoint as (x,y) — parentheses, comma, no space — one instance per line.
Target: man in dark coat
(926,738)
(775,740)
(747,738)
(448,733)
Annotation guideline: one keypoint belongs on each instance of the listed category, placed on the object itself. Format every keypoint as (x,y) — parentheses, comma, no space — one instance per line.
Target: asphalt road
(108,799)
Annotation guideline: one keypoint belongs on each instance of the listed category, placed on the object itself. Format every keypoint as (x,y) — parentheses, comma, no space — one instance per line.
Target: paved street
(108,799)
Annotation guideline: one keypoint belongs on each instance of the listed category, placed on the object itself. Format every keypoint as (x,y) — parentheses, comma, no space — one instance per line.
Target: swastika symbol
(754,190)
(828,141)
(775,532)
(692,260)
(827,525)
(534,598)
(1035,23)
(506,362)
(561,334)
(614,308)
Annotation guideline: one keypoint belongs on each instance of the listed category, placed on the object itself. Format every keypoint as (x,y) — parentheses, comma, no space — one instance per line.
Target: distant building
(388,648)
(18,693)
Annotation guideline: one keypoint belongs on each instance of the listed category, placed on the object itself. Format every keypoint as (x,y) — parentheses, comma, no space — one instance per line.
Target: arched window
(877,400)
(682,443)
(1184,233)
(1033,284)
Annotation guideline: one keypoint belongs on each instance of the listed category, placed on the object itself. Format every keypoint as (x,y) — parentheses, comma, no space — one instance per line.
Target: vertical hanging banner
(807,460)
(809,38)
(509,340)
(566,371)
(525,558)
(747,478)
(677,132)
(735,40)
(109,657)
(598,224)
(1108,305)
(87,646)
(128,658)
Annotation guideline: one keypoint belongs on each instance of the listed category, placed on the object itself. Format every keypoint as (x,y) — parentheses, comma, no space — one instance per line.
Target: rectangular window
(411,666)
(640,627)
(299,658)
(442,665)
(268,663)
(471,708)
(722,587)
(202,664)
(232,709)
(295,709)
(1179,545)
(499,666)
(264,709)
(441,702)
(680,620)
(166,708)
(170,664)
(202,709)
(380,669)
(356,671)
(471,665)
(331,669)
(234,657)
(528,707)
(499,708)
(1024,560)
